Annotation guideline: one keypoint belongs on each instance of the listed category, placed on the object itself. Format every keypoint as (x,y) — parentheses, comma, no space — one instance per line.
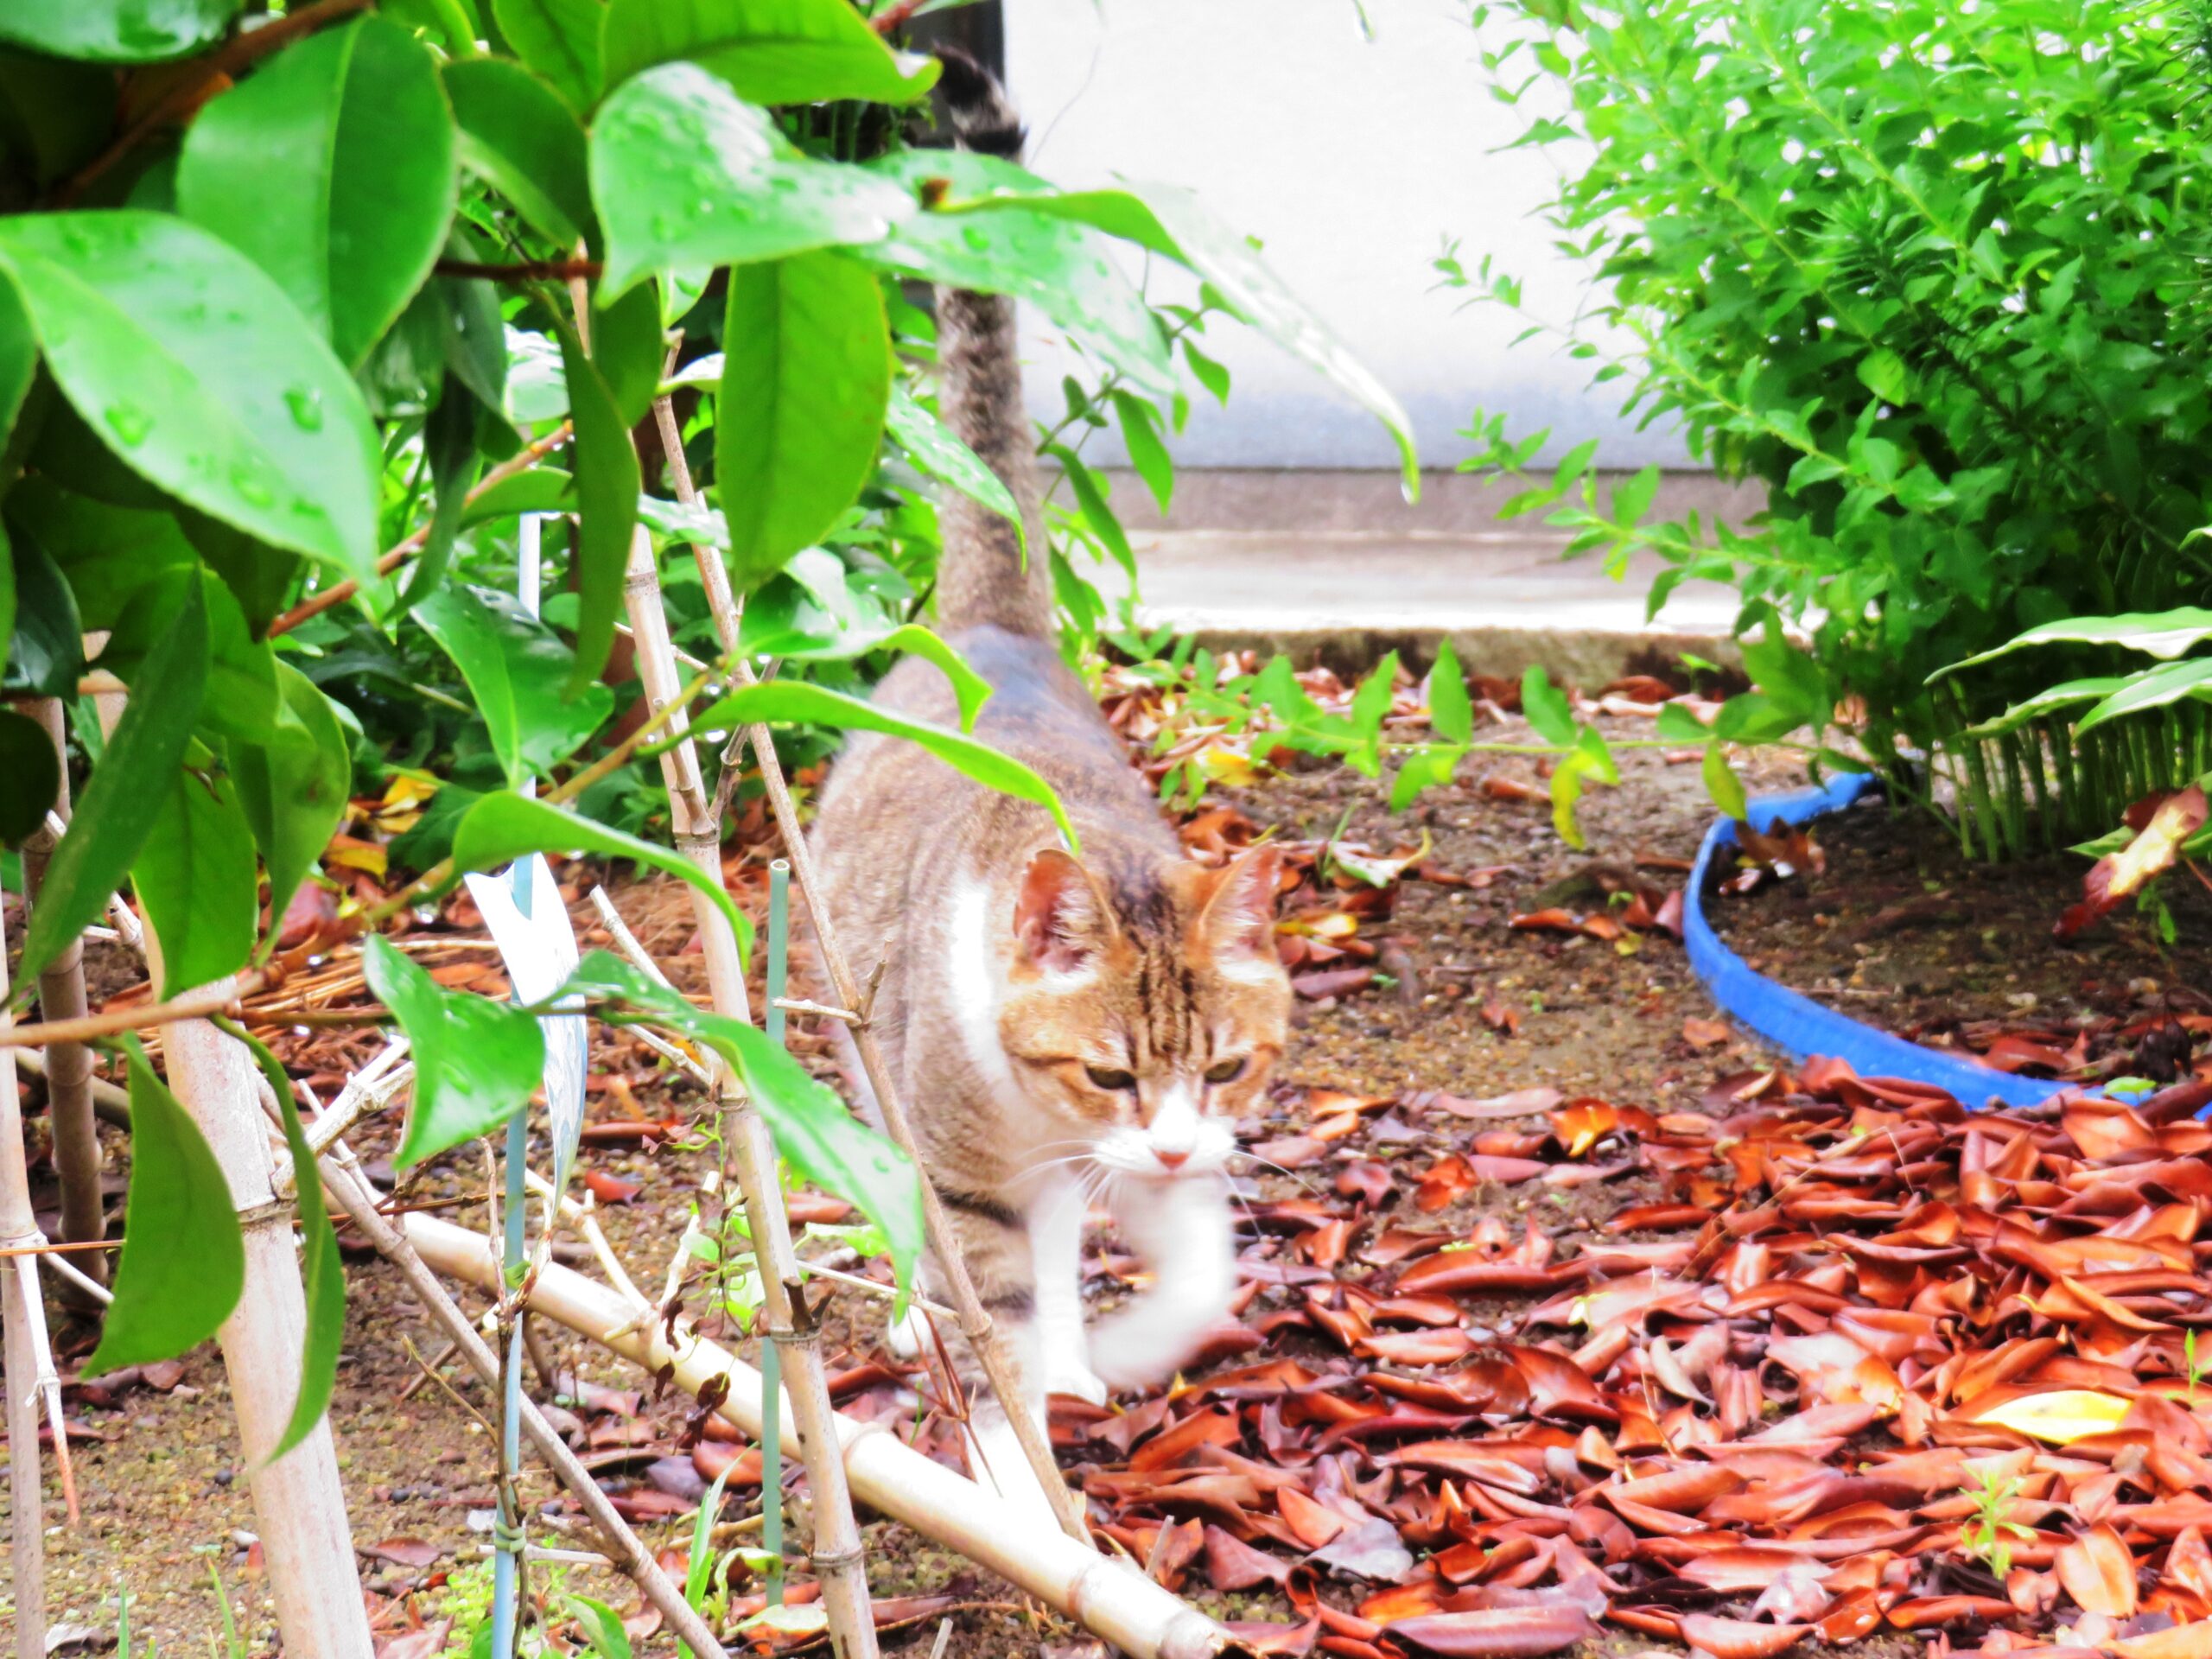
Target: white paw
(1078,1381)
(908,1337)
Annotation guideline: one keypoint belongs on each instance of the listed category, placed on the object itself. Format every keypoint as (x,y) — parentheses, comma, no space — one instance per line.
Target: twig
(814,1269)
(60,1265)
(316,604)
(626,942)
(240,54)
(225,997)
(526,271)
(822,1010)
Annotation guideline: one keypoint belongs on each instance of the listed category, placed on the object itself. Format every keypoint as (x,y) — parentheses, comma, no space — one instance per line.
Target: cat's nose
(1174,1158)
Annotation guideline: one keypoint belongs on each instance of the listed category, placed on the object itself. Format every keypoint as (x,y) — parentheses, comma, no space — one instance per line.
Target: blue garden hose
(1802,1027)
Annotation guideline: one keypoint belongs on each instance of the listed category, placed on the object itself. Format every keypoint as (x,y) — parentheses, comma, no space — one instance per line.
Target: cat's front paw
(1077,1381)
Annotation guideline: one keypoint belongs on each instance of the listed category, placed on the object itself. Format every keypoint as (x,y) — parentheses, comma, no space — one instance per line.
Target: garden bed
(1894,926)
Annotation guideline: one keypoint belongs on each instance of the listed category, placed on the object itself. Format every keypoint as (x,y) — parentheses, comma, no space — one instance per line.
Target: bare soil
(165,1498)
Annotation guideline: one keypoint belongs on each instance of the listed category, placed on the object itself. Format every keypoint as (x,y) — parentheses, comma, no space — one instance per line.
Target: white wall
(1355,160)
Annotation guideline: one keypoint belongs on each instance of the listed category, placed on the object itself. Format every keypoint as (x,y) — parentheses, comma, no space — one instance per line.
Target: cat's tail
(984,575)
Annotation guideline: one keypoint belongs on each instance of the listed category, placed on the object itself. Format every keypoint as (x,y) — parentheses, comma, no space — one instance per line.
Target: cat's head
(1144,1004)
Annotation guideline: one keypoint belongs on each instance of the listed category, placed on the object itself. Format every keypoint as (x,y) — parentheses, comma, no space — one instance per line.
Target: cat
(1062,1026)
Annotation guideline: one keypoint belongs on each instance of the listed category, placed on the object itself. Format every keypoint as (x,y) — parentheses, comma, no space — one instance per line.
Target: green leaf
(627,347)
(476,1061)
(294,788)
(34,773)
(814,1131)
(1882,373)
(197,372)
(1588,758)
(2164,634)
(319,1269)
(196,880)
(606,494)
(771,51)
(1097,513)
(1451,711)
(600,1625)
(542,489)
(1722,785)
(517,136)
(796,700)
(806,380)
(46,653)
(332,169)
(183,1263)
(1677,725)
(1147,453)
(1547,709)
(2153,688)
(116,31)
(123,800)
(1065,269)
(241,698)
(1632,497)
(937,449)
(18,367)
(559,40)
(2071,694)
(515,667)
(743,195)
(504,827)
(1422,769)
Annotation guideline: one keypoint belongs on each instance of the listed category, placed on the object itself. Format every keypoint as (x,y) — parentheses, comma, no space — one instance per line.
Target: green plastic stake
(772,1356)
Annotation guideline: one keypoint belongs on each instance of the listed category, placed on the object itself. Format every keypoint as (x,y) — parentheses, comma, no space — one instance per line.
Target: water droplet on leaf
(130,423)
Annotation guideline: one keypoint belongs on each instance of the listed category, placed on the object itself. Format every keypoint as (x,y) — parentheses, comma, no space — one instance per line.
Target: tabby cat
(1062,1027)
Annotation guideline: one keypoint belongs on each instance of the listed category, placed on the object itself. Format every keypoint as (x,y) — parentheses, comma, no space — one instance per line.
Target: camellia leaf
(183,1263)
(771,51)
(34,773)
(2059,1416)
(1064,268)
(476,1061)
(519,138)
(1451,711)
(293,788)
(196,880)
(607,496)
(46,649)
(807,377)
(627,347)
(969,689)
(321,1271)
(938,450)
(515,667)
(194,368)
(116,31)
(798,700)
(332,169)
(746,196)
(813,1129)
(125,799)
(18,366)
(505,826)
(559,40)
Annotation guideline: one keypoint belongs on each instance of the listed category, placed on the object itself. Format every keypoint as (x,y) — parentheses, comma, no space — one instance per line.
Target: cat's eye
(1229,1070)
(1111,1081)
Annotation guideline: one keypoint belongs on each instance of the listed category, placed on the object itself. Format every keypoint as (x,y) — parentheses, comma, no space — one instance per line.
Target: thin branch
(526,270)
(316,604)
(240,54)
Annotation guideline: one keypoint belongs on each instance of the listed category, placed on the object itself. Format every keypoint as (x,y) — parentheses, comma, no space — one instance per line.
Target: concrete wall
(1355,160)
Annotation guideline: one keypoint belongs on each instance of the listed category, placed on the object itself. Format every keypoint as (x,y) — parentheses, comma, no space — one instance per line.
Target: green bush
(1931,273)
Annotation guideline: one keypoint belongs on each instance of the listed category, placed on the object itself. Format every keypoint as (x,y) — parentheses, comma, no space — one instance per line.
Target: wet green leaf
(116,31)
(938,450)
(558,39)
(195,878)
(771,51)
(515,668)
(517,136)
(606,494)
(476,1061)
(294,787)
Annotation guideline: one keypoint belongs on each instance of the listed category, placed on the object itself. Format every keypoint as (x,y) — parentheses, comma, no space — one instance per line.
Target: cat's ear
(1059,921)
(1239,916)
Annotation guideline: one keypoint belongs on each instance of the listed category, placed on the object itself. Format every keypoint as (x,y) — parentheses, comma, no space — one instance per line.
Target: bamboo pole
(790,1320)
(975,1320)
(68,1065)
(298,1500)
(1108,1596)
(342,1179)
(18,1313)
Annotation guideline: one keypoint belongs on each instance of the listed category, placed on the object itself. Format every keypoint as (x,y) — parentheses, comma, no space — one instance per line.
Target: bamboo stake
(790,1320)
(1107,1595)
(298,1500)
(68,1065)
(18,1315)
(342,1179)
(975,1320)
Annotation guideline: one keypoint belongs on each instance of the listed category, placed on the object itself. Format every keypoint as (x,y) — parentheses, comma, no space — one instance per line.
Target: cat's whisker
(1291,1176)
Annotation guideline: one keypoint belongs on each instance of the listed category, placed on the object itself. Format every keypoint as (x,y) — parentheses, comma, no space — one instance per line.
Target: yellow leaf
(361,855)
(1228,767)
(409,789)
(2060,1416)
